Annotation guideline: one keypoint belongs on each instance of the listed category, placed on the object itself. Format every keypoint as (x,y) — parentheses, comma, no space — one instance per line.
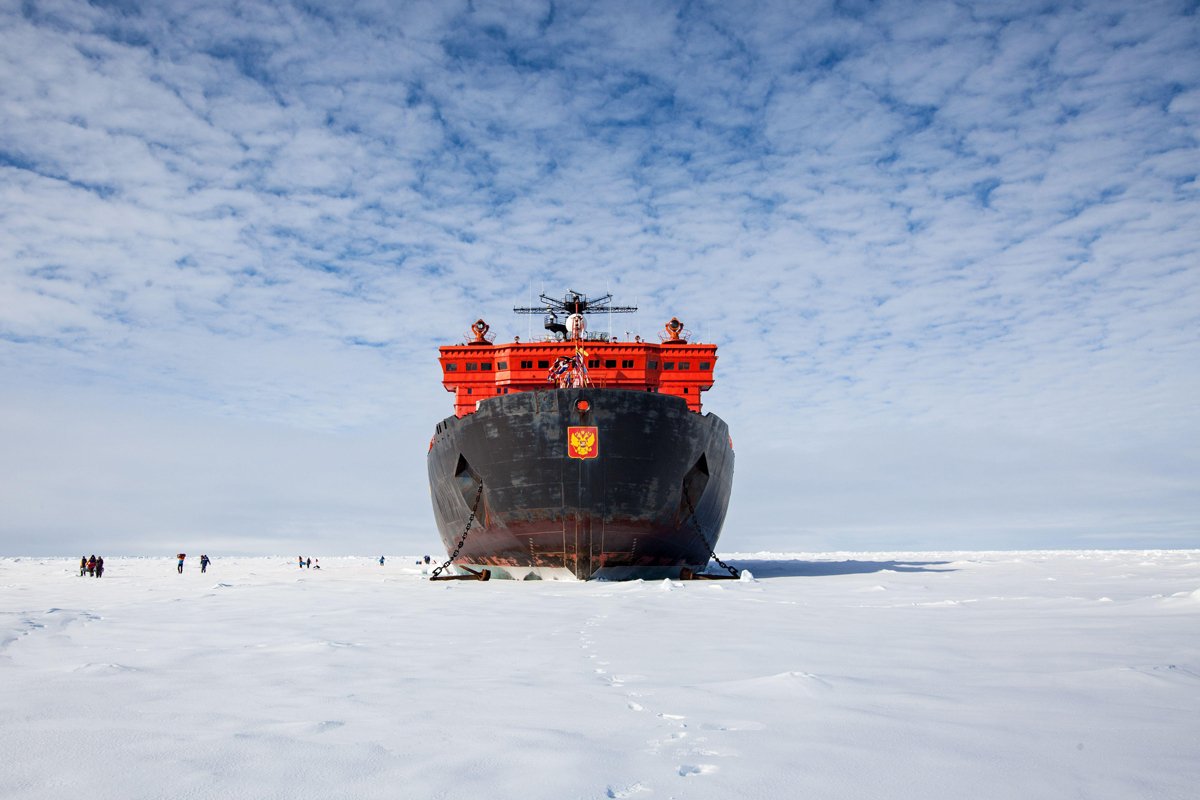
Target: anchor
(688,574)
(481,575)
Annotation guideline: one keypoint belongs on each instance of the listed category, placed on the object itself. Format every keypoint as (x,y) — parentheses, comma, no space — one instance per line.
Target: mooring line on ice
(687,574)
(482,575)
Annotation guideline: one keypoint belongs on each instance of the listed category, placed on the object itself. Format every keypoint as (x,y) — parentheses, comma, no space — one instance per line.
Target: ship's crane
(574,305)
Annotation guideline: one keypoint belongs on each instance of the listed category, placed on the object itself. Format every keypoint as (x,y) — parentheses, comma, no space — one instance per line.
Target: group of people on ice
(382,560)
(91,566)
(308,563)
(204,562)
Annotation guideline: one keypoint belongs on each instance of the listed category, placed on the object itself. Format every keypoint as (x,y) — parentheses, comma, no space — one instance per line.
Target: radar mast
(573,307)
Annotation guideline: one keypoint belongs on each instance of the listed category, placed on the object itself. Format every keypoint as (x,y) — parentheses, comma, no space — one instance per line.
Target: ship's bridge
(481,369)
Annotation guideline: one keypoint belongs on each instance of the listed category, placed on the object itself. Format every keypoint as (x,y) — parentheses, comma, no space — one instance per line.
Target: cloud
(976,223)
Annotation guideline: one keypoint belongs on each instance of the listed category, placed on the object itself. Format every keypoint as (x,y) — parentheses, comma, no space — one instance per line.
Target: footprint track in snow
(675,742)
(688,770)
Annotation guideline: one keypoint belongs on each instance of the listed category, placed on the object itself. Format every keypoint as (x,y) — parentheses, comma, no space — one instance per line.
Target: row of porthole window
(499,390)
(611,363)
(504,390)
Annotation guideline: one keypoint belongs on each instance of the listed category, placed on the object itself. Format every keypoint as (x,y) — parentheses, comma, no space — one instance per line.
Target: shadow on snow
(796,568)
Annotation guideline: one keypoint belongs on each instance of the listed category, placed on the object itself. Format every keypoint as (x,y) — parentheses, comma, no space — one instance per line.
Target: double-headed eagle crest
(583,442)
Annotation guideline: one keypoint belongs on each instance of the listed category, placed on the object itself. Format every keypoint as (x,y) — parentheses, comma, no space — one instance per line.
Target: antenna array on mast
(575,303)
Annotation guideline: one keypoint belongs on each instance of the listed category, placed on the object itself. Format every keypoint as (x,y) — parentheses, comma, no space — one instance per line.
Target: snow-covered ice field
(836,675)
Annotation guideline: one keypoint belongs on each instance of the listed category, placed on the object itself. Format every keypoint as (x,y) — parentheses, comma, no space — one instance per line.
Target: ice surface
(952,675)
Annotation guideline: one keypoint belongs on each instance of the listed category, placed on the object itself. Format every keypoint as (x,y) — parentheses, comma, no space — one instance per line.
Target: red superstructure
(481,369)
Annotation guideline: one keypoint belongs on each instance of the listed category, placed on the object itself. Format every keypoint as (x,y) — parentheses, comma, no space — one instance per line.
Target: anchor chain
(700,532)
(466,530)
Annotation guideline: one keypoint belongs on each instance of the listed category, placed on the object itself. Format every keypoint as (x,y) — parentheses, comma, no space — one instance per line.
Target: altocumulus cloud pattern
(948,250)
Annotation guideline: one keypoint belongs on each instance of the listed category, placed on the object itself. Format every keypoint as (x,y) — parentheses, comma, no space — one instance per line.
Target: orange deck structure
(481,369)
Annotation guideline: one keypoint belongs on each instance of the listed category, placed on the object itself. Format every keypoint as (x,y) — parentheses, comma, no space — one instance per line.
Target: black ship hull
(649,501)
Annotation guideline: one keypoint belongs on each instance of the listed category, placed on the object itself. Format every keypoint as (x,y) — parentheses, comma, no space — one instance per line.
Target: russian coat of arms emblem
(583,442)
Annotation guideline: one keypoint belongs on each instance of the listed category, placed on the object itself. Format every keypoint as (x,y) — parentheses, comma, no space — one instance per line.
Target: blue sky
(948,251)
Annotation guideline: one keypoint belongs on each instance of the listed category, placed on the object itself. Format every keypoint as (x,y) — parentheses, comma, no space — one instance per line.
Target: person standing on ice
(99,566)
(83,566)
(300,559)
(308,562)
(380,563)
(181,557)
(204,563)
(91,565)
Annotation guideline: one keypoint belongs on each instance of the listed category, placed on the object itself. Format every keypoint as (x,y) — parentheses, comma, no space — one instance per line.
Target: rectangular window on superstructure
(705,365)
(610,363)
(593,363)
(627,363)
(469,390)
(652,364)
(685,365)
(543,365)
(526,365)
(472,366)
(451,366)
(501,365)
(668,365)
(485,366)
